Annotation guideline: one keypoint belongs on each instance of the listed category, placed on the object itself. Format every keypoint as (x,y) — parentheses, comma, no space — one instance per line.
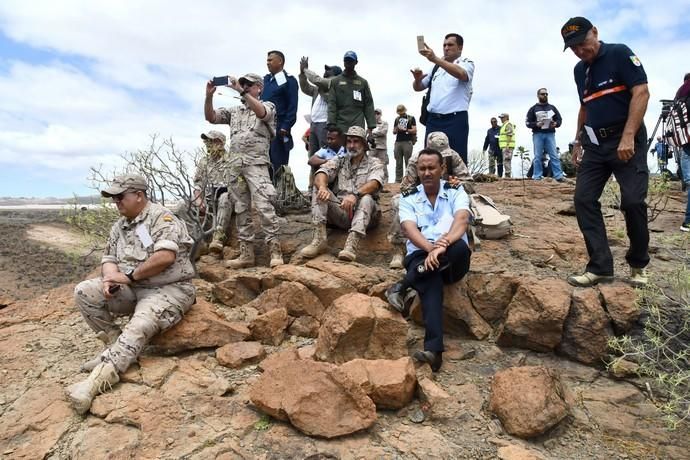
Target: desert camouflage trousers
(251,185)
(395,235)
(152,310)
(507,158)
(365,216)
(381,154)
(224,208)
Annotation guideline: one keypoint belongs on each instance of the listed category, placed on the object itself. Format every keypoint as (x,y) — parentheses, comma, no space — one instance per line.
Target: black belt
(611,131)
(445,115)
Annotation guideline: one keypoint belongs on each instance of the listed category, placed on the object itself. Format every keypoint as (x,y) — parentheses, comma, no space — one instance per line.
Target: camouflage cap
(251,79)
(124,183)
(213,135)
(437,141)
(357,131)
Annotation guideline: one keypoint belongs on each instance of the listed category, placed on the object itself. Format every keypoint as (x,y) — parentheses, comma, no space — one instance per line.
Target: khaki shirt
(212,170)
(454,167)
(349,178)
(250,136)
(131,243)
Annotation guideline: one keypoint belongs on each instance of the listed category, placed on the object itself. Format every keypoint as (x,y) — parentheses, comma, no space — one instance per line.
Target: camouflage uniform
(212,172)
(380,151)
(156,303)
(247,176)
(454,167)
(349,180)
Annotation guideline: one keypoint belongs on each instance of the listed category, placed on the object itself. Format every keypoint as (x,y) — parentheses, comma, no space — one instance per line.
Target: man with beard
(353,203)
(543,119)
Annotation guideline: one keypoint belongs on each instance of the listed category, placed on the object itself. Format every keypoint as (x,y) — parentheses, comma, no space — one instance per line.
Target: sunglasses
(121,196)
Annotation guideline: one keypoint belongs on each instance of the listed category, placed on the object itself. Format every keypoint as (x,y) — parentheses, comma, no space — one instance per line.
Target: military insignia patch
(635,60)
(167,218)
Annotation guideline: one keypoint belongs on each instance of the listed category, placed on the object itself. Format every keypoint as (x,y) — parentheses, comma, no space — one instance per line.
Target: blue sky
(82,82)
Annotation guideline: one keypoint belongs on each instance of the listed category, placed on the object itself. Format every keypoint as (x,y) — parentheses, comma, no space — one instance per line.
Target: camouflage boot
(216,246)
(318,245)
(245,259)
(276,253)
(101,379)
(349,252)
(108,338)
(398,257)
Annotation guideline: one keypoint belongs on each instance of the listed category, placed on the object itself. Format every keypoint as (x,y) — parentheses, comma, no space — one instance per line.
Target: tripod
(664,121)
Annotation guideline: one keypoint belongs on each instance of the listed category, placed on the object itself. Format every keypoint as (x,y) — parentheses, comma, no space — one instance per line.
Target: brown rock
(389,383)
(269,328)
(587,329)
(201,327)
(305,326)
(317,398)
(237,289)
(622,368)
(306,352)
(280,358)
(211,271)
(325,286)
(490,293)
(359,326)
(457,306)
(295,297)
(362,277)
(239,354)
(527,400)
(620,302)
(515,452)
(536,315)
(438,403)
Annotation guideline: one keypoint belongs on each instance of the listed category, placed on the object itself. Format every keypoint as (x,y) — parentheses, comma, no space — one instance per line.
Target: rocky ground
(193,396)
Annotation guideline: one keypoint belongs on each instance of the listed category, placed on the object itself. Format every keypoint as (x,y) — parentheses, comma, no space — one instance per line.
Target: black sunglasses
(121,196)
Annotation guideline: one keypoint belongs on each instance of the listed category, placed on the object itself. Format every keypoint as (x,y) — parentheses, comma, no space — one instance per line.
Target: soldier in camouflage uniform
(210,183)
(353,203)
(252,126)
(454,171)
(146,273)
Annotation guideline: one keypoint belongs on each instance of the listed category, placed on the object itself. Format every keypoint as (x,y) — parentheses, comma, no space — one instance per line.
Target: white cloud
(123,70)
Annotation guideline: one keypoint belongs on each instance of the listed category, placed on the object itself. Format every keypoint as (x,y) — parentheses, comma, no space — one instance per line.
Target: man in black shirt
(494,151)
(405,130)
(543,119)
(610,138)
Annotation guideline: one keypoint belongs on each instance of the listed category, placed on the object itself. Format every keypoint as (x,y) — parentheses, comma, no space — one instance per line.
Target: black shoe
(396,297)
(434,358)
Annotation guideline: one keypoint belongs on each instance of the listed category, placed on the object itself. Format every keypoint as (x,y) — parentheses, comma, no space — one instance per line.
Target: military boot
(276,253)
(245,259)
(398,257)
(216,246)
(318,245)
(101,379)
(349,252)
(108,338)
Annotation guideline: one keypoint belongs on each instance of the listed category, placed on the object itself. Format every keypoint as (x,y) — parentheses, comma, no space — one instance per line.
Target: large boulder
(237,289)
(527,400)
(295,297)
(620,301)
(325,286)
(316,398)
(587,328)
(240,354)
(389,383)
(490,294)
(359,326)
(361,277)
(201,327)
(305,326)
(536,315)
(457,306)
(269,328)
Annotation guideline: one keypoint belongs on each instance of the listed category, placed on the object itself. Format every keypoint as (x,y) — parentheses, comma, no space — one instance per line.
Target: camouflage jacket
(212,170)
(250,136)
(346,179)
(454,167)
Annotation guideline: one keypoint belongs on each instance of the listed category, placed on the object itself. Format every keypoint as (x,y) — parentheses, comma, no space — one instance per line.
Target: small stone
(169,441)
(417,415)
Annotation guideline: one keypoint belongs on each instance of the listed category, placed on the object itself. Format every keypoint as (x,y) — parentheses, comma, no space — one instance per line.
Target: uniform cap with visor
(124,183)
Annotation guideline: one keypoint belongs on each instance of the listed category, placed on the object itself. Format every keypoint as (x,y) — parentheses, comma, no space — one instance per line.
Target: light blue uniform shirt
(327,153)
(433,221)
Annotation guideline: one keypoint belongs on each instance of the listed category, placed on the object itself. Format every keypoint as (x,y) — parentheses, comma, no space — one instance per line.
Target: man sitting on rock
(145,273)
(454,171)
(353,203)
(435,217)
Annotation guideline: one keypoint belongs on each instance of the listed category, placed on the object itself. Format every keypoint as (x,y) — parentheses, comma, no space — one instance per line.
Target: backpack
(680,122)
(489,222)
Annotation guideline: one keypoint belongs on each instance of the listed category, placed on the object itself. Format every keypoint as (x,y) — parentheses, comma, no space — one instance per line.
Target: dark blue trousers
(429,285)
(455,125)
(280,151)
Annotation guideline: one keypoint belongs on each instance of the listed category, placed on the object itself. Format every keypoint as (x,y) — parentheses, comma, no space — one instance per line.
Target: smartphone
(420,42)
(220,81)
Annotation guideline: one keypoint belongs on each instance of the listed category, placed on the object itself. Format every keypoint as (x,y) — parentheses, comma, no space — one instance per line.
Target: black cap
(574,31)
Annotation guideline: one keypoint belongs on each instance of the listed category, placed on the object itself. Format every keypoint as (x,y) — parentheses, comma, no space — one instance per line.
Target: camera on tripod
(666,107)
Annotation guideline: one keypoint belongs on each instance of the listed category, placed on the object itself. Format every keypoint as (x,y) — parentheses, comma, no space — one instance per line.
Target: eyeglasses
(121,196)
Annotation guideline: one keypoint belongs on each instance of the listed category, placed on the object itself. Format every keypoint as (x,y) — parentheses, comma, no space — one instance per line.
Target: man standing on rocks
(350,102)
(145,273)
(492,148)
(252,125)
(506,142)
(435,217)
(610,138)
(317,87)
(454,171)
(543,119)
(353,203)
(379,142)
(405,130)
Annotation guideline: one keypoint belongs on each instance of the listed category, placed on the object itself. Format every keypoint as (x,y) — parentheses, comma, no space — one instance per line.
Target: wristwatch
(130,274)
(356,194)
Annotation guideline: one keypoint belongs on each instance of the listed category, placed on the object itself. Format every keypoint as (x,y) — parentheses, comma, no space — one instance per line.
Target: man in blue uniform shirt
(435,217)
(281,89)
(610,138)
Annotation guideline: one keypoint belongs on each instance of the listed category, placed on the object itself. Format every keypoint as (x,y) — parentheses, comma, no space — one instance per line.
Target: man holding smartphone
(145,273)
(450,83)
(252,125)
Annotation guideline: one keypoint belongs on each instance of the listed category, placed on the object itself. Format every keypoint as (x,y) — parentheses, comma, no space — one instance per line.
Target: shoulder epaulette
(409,192)
(448,185)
